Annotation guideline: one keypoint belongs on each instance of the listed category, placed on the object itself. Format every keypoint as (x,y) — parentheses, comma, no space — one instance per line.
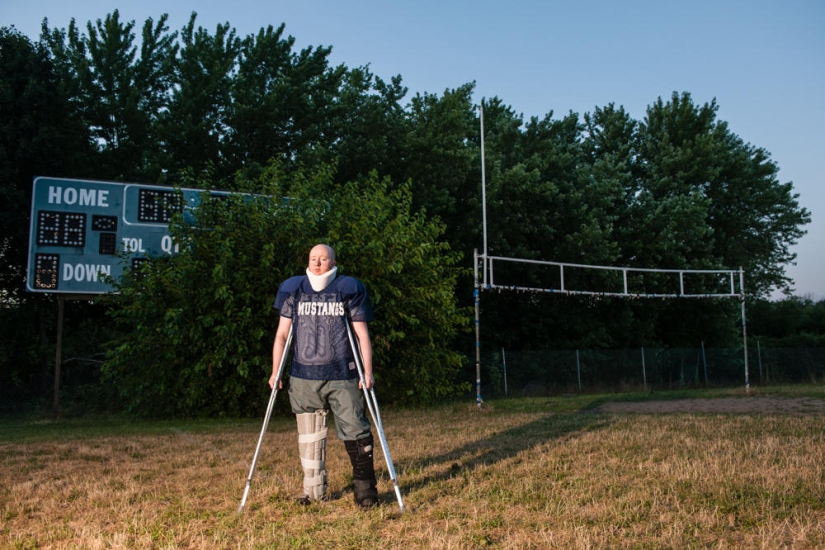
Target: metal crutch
(372,405)
(267,416)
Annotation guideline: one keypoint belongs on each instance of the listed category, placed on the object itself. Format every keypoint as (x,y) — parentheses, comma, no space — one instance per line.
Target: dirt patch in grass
(724,405)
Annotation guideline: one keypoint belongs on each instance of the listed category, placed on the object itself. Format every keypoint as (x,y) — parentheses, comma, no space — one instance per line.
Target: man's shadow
(497,447)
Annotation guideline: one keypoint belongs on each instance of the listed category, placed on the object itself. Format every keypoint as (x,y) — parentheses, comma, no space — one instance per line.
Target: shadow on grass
(500,446)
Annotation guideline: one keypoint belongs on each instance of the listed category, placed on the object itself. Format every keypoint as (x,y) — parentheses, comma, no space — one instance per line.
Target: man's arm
(363,335)
(284,324)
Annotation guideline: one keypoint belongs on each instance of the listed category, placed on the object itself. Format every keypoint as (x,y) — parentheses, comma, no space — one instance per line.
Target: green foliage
(119,93)
(371,128)
(39,134)
(677,190)
(198,108)
(198,327)
(715,201)
(412,279)
(201,101)
(792,322)
(281,100)
(442,162)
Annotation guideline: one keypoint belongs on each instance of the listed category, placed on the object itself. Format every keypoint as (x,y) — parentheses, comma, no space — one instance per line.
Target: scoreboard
(84,232)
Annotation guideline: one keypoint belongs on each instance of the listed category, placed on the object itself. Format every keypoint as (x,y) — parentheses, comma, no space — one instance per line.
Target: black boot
(363,472)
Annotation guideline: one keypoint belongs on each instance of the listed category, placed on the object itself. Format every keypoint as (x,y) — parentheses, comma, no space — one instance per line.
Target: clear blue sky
(763,61)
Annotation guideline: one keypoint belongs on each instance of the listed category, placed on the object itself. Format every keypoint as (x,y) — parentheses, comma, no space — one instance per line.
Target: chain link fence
(511,373)
(79,387)
(507,373)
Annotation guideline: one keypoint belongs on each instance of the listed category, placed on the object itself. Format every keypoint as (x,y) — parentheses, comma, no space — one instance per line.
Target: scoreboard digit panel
(104,223)
(158,206)
(46,270)
(61,228)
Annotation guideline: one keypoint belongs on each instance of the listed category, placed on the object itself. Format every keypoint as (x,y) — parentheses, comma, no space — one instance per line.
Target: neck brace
(320,282)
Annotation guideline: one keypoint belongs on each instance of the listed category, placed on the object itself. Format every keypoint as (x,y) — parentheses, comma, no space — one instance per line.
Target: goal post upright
(477,287)
(744,327)
(476,298)
(483,189)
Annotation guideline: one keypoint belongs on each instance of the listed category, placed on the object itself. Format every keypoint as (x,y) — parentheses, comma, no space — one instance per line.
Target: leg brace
(363,471)
(312,447)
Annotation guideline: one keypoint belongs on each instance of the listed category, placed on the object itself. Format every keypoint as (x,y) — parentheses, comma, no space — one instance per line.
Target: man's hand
(369,380)
(272,381)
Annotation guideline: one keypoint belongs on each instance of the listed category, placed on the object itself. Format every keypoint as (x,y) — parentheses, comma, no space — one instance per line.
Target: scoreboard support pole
(58,351)
(58,355)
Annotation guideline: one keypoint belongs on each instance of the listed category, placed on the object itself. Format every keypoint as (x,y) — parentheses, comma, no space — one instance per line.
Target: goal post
(730,283)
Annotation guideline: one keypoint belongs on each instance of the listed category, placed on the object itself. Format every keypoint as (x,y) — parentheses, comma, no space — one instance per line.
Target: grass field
(520,473)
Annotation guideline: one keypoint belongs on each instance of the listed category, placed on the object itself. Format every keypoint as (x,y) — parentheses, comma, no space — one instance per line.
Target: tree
(120,94)
(412,275)
(544,203)
(716,199)
(677,189)
(40,134)
(611,145)
(443,165)
(205,349)
(195,130)
(784,322)
(370,128)
(282,102)
(673,230)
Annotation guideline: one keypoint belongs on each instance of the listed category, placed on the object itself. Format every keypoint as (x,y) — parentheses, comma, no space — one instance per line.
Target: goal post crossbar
(730,274)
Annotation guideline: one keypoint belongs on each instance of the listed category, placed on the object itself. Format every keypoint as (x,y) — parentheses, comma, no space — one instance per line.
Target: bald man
(323,374)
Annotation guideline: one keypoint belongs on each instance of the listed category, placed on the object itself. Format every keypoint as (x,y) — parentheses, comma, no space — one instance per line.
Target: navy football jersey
(321,349)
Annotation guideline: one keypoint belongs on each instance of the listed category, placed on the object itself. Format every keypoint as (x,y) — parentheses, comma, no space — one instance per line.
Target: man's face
(319,260)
